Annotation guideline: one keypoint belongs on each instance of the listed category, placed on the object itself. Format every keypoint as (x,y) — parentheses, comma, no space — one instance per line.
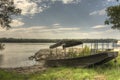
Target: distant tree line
(15,40)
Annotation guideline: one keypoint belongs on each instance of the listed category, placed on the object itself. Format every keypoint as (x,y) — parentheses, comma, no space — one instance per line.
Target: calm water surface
(16,54)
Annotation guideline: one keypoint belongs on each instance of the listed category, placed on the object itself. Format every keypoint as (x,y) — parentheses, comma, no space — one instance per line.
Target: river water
(16,54)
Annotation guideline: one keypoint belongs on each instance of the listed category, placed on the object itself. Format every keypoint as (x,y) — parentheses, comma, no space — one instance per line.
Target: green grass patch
(108,71)
(4,75)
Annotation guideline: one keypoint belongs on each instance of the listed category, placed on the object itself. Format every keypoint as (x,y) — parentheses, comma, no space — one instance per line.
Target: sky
(61,19)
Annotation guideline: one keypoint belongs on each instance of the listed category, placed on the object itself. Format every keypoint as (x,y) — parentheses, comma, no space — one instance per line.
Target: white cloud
(69,1)
(28,7)
(56,33)
(67,29)
(64,1)
(16,23)
(99,26)
(110,0)
(56,24)
(39,32)
(110,31)
(39,29)
(98,12)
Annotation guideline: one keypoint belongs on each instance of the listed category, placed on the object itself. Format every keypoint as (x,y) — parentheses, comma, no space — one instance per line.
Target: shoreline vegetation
(108,71)
(20,40)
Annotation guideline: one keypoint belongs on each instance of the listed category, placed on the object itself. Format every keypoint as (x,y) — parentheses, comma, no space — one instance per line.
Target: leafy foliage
(7,9)
(113,13)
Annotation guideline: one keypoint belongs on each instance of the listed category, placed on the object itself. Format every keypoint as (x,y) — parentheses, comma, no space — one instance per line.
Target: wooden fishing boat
(82,61)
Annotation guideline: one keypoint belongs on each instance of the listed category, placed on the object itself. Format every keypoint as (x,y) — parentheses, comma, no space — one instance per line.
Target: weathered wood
(71,43)
(66,43)
(84,61)
(56,44)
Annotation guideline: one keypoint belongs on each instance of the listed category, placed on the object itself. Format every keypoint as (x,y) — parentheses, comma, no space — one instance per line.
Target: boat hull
(84,61)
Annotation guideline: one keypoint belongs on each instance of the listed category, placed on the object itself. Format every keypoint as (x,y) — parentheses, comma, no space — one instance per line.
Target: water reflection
(17,54)
(1,59)
(2,47)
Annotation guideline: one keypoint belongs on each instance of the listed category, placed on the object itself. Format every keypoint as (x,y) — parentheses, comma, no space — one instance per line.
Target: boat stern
(113,54)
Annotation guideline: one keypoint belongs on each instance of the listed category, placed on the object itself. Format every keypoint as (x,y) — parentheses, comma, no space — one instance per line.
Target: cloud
(56,24)
(110,31)
(98,12)
(70,1)
(110,0)
(45,32)
(67,1)
(39,32)
(67,29)
(99,26)
(17,23)
(28,7)
(64,1)
(41,29)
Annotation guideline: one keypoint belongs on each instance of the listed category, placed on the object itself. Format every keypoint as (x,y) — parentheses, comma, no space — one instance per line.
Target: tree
(113,16)
(7,9)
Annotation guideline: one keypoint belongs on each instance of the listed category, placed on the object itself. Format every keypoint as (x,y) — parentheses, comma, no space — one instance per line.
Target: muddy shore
(38,68)
(26,70)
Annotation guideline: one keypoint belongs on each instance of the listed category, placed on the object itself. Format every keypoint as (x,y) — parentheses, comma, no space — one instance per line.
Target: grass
(109,71)
(4,75)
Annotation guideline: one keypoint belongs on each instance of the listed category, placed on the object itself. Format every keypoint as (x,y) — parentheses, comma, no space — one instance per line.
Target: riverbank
(109,71)
(26,70)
